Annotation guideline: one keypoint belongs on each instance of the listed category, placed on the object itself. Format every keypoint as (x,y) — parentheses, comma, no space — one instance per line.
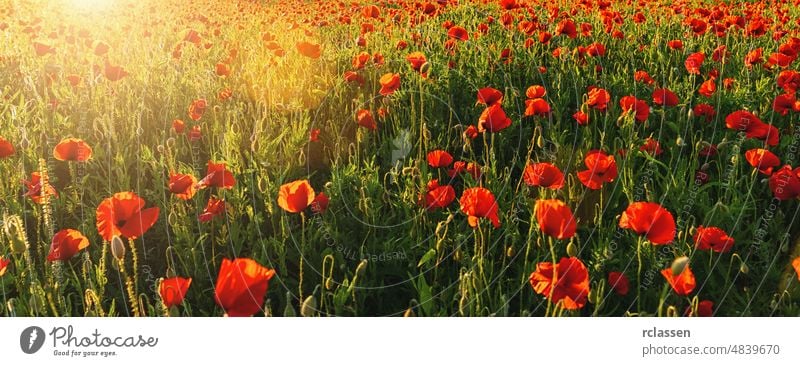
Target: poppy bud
(672,311)
(328,185)
(679,264)
(171,142)
(160,149)
(425,68)
(329,284)
(572,249)
(409,313)
(679,141)
(288,311)
(540,141)
(309,307)
(690,114)
(361,268)
(457,255)
(510,251)
(744,268)
(12,226)
(117,248)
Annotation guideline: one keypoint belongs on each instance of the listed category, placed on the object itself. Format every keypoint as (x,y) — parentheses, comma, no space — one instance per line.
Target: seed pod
(309,307)
(288,311)
(117,248)
(572,249)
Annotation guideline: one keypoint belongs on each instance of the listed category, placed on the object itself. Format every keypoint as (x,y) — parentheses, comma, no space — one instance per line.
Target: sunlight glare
(89,5)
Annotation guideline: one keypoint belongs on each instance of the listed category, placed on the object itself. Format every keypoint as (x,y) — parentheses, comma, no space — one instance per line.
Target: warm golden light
(89,5)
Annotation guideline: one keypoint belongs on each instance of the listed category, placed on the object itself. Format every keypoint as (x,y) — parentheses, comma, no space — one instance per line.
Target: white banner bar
(398,341)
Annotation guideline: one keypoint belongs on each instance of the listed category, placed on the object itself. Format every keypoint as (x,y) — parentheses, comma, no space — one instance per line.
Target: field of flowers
(399,158)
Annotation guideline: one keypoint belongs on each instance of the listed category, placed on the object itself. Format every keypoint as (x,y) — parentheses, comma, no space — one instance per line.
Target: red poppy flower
(665,97)
(651,220)
(66,243)
(123,214)
(416,59)
(643,77)
(195,134)
(241,286)
(320,203)
(179,126)
(313,136)
(360,61)
(763,160)
(752,126)
(555,218)
(438,196)
(683,283)
(458,33)
(795,264)
(784,103)
(308,49)
(114,73)
(535,91)
(652,147)
(543,175)
(712,238)
(537,107)
(598,98)
(489,96)
(789,81)
(389,83)
(581,117)
(675,44)
(182,185)
(197,109)
(439,159)
(364,119)
(704,110)
(3,265)
(35,189)
(222,69)
(478,202)
(43,49)
(493,119)
(754,57)
(566,283)
(214,208)
(567,27)
(72,150)
(707,88)
(217,175)
(639,107)
(693,62)
(6,148)
(785,183)
(705,308)
(294,197)
(173,290)
(619,283)
(602,168)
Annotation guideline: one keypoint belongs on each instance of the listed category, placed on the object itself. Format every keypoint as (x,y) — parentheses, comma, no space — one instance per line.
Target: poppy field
(399,158)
